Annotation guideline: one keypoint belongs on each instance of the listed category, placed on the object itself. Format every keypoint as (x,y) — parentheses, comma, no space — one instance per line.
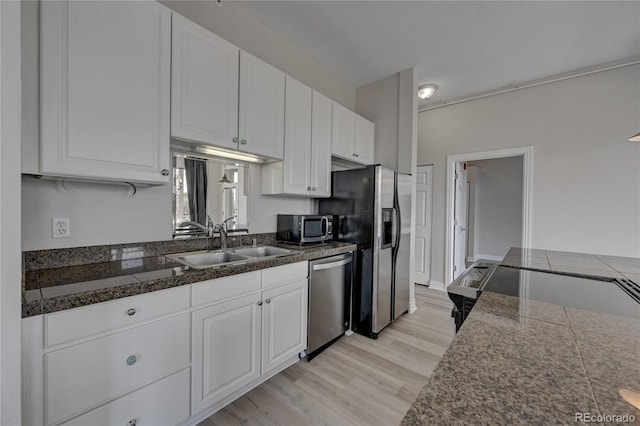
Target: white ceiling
(465,47)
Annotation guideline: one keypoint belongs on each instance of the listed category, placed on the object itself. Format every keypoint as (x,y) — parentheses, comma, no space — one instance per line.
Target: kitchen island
(521,361)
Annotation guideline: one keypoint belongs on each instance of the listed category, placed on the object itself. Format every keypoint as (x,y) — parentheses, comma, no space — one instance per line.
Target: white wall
(10,257)
(586,179)
(242,29)
(378,102)
(496,206)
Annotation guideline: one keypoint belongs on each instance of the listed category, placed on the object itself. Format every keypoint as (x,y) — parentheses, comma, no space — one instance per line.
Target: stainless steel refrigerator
(372,208)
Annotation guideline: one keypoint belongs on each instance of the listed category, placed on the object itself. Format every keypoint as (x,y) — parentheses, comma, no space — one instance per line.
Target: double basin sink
(212,258)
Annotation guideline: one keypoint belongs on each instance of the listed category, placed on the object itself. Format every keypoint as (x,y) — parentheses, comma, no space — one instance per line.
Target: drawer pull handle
(131,312)
(131,359)
(132,422)
(268,300)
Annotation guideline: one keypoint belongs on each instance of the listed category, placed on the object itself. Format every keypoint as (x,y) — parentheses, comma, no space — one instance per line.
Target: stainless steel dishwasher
(330,281)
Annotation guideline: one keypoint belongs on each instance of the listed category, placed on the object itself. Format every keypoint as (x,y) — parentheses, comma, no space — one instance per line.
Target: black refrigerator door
(352,204)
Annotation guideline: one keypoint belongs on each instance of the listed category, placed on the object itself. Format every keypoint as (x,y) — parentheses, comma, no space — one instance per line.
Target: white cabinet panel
(226,349)
(297,140)
(284,324)
(204,85)
(321,113)
(165,402)
(86,375)
(279,275)
(342,132)
(364,140)
(220,289)
(261,110)
(86,321)
(105,86)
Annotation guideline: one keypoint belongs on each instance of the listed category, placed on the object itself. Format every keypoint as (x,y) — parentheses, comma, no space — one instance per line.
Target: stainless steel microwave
(303,229)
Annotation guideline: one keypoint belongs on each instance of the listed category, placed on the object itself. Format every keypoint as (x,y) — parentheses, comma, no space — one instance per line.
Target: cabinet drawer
(61,327)
(165,402)
(284,274)
(86,375)
(212,291)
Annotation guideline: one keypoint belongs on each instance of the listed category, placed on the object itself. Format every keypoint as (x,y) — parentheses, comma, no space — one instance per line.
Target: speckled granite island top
(520,361)
(55,280)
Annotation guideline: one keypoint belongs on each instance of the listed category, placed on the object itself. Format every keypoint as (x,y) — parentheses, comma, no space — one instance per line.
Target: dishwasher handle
(321,266)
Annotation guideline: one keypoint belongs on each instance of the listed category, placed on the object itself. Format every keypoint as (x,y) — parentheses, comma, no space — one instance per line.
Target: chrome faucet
(222,228)
(204,229)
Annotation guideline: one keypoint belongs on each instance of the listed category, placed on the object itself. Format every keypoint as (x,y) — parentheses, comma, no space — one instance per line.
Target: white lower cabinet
(165,402)
(142,360)
(284,323)
(86,375)
(226,349)
(239,343)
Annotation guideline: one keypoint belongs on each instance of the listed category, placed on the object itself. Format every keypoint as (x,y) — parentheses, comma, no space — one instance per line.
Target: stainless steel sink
(264,251)
(214,258)
(208,259)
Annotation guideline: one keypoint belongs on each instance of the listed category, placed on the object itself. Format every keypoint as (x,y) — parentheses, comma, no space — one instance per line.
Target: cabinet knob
(131,312)
(131,359)
(313,188)
(236,140)
(355,155)
(243,141)
(260,303)
(132,422)
(268,300)
(165,172)
(309,188)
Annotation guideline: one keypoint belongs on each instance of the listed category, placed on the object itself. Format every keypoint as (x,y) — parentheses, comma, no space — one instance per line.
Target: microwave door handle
(326,226)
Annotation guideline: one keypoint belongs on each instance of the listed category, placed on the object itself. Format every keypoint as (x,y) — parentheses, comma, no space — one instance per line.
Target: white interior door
(460,220)
(424,197)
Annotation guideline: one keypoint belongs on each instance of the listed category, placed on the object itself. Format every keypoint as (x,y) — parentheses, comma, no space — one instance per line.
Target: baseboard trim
(437,285)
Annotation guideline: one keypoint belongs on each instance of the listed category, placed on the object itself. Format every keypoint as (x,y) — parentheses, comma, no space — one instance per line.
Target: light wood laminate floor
(356,381)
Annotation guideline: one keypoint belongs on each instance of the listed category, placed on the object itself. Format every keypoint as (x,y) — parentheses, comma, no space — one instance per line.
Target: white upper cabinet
(297,145)
(321,145)
(261,110)
(342,132)
(105,86)
(204,85)
(306,168)
(352,137)
(364,140)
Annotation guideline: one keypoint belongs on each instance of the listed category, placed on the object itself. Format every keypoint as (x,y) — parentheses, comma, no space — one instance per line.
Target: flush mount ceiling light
(426,91)
(635,138)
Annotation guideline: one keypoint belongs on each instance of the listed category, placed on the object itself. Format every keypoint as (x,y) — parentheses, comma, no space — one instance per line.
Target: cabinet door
(284,323)
(320,146)
(342,132)
(364,140)
(105,90)
(226,349)
(261,110)
(297,138)
(204,85)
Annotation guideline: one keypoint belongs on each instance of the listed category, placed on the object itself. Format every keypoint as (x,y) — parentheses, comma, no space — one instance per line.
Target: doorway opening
(496,216)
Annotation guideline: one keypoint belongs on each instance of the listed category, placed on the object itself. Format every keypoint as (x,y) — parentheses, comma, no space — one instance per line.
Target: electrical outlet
(61,227)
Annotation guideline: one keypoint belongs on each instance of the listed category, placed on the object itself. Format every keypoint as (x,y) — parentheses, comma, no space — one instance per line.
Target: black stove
(617,297)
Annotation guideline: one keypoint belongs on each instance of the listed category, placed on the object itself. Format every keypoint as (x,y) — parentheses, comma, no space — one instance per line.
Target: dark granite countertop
(520,361)
(57,288)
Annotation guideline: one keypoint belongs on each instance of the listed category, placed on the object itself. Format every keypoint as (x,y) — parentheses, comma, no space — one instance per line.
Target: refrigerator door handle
(394,228)
(398,223)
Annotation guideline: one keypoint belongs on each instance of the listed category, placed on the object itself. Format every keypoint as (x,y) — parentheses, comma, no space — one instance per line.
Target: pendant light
(635,138)
(225,179)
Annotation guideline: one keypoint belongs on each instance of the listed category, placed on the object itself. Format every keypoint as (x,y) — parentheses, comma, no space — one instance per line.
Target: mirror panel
(207,191)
